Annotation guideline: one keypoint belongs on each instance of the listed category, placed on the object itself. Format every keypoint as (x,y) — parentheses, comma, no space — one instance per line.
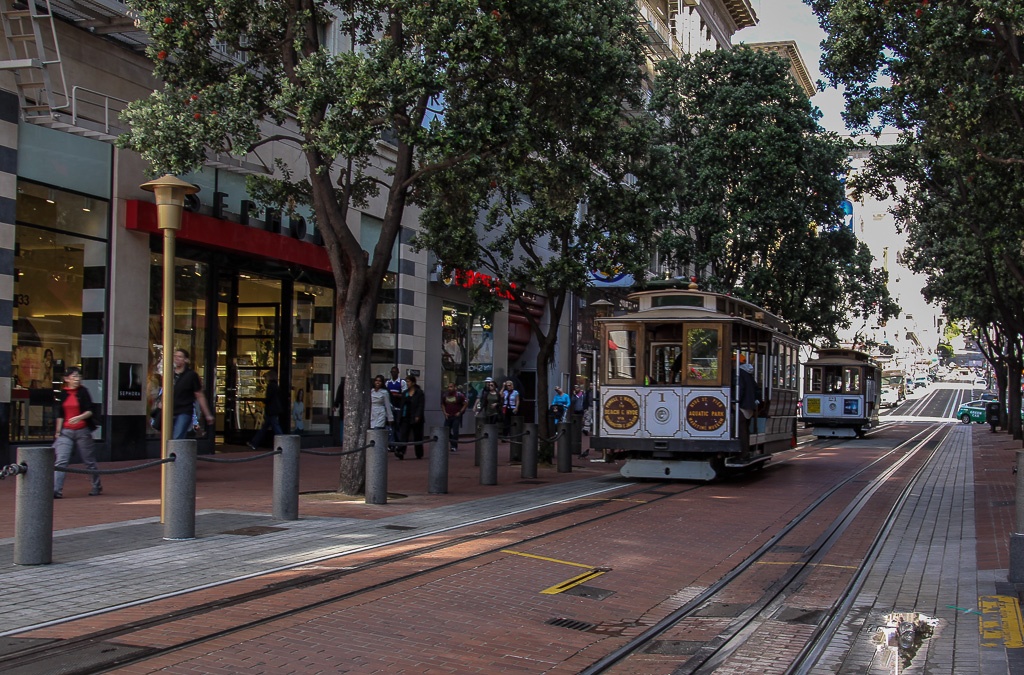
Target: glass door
(249,348)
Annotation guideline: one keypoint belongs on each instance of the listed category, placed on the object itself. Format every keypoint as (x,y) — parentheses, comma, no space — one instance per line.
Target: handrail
(107,98)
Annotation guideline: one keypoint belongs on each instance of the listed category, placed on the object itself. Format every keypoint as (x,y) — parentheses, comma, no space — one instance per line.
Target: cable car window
(851,380)
(621,350)
(703,346)
(833,380)
(814,380)
(666,360)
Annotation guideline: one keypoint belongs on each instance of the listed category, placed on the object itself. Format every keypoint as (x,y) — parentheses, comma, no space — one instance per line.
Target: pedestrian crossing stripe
(1000,622)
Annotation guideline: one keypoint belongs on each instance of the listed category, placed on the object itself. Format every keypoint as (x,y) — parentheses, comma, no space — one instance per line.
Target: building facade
(81,267)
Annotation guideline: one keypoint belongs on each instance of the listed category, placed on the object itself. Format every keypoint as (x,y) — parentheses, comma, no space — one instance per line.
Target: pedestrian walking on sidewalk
(380,405)
(188,391)
(73,411)
(488,403)
(559,405)
(509,407)
(411,428)
(453,404)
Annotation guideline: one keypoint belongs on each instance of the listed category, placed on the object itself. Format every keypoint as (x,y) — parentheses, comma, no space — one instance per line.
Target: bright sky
(793,20)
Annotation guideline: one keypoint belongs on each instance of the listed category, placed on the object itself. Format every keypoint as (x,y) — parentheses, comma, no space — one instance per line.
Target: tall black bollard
(438,469)
(575,433)
(529,466)
(377,467)
(180,510)
(564,449)
(489,456)
(33,510)
(286,477)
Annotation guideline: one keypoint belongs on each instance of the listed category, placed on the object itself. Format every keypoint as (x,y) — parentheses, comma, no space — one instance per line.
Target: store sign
(129,381)
(273,221)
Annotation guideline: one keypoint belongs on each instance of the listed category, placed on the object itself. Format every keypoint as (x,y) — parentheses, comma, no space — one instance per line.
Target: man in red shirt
(453,404)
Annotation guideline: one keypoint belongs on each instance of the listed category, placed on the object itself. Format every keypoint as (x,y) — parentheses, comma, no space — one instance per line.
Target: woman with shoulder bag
(73,411)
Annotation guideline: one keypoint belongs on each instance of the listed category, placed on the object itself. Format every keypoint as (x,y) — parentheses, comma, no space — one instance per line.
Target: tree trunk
(546,343)
(355,413)
(1013,396)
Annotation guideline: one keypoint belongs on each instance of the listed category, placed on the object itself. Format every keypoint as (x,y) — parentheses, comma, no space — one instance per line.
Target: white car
(981,382)
(890,397)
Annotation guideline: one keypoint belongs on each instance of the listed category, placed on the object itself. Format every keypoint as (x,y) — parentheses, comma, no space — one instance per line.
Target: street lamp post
(170,193)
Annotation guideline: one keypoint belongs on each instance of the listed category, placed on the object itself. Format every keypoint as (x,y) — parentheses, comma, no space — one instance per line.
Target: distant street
(937,403)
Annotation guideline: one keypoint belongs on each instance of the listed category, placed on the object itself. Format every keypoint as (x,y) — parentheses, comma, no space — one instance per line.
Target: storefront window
(312,388)
(59,302)
(190,287)
(455,328)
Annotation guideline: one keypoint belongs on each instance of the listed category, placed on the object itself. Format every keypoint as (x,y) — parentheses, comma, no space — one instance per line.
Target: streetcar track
(638,643)
(62,652)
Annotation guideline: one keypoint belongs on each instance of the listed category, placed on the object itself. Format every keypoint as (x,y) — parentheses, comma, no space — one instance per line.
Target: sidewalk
(944,567)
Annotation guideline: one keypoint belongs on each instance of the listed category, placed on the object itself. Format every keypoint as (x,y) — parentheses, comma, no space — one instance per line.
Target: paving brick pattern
(948,547)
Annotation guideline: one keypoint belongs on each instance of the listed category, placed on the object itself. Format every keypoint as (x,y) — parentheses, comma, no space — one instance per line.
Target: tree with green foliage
(541,222)
(328,79)
(948,77)
(753,189)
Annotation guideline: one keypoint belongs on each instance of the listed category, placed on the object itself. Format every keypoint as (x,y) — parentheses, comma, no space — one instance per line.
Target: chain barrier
(321,453)
(402,444)
(110,472)
(12,470)
(237,460)
(553,438)
(477,439)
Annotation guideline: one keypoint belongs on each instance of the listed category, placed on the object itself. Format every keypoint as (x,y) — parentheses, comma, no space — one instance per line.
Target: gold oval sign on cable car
(705,413)
(621,412)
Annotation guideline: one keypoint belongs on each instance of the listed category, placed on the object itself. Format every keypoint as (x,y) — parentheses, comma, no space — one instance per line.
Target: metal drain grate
(583,591)
(399,527)
(571,624)
(256,530)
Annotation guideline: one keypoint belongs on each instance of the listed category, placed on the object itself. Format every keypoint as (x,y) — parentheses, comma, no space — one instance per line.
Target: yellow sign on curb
(1000,623)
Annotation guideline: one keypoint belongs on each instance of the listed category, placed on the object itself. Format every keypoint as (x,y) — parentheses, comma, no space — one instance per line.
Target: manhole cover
(590,592)
(256,530)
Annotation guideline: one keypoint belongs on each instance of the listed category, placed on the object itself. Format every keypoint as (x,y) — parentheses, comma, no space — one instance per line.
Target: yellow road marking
(842,567)
(1001,624)
(540,557)
(575,581)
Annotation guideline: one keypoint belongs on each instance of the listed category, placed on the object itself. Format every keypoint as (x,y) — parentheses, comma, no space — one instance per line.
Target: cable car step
(742,463)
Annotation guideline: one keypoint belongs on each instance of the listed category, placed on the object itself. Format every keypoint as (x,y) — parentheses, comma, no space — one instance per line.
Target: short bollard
(529,467)
(180,510)
(377,467)
(564,449)
(489,455)
(33,510)
(1016,575)
(515,444)
(437,483)
(286,477)
(575,433)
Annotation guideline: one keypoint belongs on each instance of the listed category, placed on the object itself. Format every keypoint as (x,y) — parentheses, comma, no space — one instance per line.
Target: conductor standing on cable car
(749,398)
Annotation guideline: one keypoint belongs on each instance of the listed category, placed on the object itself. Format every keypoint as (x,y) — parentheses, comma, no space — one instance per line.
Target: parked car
(981,382)
(974,411)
